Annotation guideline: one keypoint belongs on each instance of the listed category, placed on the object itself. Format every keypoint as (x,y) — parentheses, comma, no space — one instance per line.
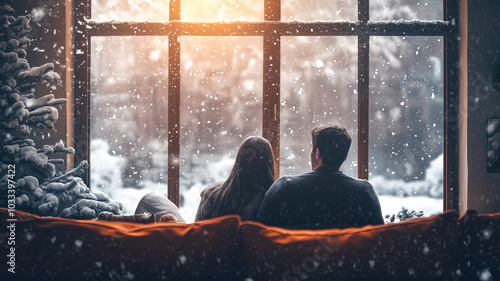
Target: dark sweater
(321,199)
(206,208)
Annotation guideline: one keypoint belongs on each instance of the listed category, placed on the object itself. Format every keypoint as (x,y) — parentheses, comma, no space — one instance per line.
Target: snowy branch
(47,100)
(42,73)
(44,117)
(77,171)
(57,148)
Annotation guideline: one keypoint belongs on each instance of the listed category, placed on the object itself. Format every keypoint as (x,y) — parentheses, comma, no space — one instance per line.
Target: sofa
(441,247)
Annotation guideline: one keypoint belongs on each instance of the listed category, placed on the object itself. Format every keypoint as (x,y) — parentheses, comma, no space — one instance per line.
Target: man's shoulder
(360,182)
(359,185)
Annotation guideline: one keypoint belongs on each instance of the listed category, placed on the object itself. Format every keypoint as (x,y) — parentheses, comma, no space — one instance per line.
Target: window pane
(406,122)
(128,120)
(221,105)
(222,10)
(311,10)
(318,86)
(130,10)
(406,9)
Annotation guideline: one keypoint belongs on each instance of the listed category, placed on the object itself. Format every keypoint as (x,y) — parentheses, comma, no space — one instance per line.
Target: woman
(244,189)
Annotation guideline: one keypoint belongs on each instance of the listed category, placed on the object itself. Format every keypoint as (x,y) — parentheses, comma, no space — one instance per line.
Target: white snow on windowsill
(409,22)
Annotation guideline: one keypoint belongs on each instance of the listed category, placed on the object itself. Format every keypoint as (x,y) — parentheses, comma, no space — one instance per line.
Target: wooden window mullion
(271,82)
(174,62)
(363,89)
(271,99)
(81,85)
(451,108)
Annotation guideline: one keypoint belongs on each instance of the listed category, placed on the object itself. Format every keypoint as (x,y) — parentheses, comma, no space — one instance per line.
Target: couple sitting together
(321,199)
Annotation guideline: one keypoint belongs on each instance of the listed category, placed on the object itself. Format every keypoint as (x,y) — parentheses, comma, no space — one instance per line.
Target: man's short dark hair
(333,142)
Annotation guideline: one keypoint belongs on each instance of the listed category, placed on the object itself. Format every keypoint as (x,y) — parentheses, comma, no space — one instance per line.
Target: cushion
(424,248)
(66,249)
(481,238)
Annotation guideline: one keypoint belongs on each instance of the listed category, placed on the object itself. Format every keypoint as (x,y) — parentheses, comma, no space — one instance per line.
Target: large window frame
(271,28)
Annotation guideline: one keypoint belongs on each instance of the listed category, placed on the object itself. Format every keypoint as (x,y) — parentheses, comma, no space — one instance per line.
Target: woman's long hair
(252,173)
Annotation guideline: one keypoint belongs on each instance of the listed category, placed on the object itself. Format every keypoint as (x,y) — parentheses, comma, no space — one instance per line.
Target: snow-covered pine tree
(39,188)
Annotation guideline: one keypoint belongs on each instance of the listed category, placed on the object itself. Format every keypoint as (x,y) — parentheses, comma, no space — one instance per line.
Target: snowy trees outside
(221,99)
(30,181)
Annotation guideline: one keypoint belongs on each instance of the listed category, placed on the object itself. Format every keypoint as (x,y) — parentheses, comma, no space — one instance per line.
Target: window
(194,78)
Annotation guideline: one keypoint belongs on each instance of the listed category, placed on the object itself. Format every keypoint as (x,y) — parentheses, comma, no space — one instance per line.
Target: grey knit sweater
(157,204)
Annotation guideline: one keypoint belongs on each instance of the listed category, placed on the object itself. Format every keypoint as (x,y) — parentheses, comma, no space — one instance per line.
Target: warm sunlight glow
(205,10)
(222,10)
(130,10)
(191,10)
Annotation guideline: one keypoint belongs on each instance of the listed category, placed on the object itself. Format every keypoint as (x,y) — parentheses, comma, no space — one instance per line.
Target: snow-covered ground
(393,204)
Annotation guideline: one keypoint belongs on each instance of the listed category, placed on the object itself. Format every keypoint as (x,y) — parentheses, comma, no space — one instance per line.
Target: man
(324,198)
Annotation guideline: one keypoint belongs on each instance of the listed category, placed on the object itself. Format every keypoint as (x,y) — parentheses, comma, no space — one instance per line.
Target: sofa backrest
(65,249)
(435,248)
(481,239)
(417,249)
